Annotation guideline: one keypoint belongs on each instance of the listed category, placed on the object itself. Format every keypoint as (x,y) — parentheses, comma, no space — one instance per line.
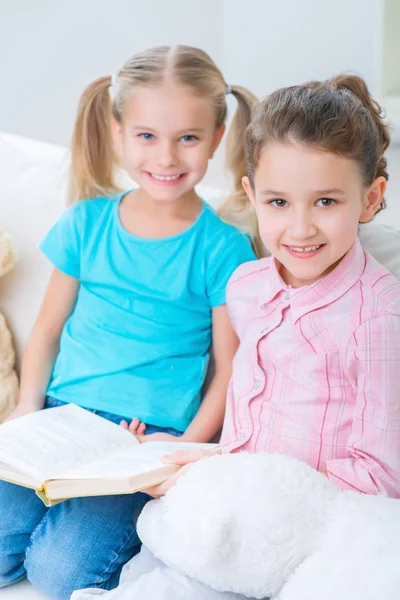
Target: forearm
(209,418)
(37,364)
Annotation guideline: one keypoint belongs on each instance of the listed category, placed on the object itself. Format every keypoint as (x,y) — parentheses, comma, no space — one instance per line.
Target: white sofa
(32,196)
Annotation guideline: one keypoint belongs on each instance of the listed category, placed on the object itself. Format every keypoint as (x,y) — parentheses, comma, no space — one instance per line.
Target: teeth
(165,177)
(308,249)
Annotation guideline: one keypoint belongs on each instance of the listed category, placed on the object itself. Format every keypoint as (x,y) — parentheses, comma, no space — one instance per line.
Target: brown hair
(93,159)
(338,115)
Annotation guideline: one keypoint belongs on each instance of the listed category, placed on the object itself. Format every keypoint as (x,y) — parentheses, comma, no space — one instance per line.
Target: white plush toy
(270,526)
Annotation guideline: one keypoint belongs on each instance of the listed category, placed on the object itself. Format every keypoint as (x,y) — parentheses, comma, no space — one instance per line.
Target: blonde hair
(94,159)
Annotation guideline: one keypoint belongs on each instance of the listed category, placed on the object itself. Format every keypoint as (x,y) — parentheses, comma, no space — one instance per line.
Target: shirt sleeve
(374,442)
(227,256)
(62,244)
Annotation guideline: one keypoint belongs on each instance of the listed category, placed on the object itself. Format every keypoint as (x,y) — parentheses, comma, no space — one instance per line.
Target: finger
(124,425)
(134,425)
(141,429)
(154,491)
(143,438)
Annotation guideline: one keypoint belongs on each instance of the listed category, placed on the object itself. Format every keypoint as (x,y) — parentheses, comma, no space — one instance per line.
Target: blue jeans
(83,542)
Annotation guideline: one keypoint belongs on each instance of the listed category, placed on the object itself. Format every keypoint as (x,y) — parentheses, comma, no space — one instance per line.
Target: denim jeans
(83,542)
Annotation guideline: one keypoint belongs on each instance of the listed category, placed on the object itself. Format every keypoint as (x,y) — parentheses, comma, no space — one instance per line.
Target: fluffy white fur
(262,526)
(268,525)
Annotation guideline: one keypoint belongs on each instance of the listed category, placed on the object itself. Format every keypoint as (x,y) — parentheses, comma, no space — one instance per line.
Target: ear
(249,190)
(373,198)
(217,139)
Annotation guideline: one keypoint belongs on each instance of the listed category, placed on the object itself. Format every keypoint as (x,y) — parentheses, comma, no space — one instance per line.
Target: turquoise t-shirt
(137,342)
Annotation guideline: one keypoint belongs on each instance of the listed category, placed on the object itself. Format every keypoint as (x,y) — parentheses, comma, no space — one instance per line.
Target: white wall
(274,43)
(391,49)
(50,49)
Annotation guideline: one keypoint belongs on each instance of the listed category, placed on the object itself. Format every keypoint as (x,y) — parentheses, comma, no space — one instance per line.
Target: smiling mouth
(305,249)
(166,177)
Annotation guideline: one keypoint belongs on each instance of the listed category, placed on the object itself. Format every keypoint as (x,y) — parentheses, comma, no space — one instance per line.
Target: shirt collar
(324,291)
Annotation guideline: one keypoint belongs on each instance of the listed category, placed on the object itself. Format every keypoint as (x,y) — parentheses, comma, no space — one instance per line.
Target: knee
(11,567)
(54,571)
(12,554)
(58,569)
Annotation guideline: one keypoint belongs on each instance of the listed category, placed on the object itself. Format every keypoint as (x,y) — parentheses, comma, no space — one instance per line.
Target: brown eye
(279,203)
(326,202)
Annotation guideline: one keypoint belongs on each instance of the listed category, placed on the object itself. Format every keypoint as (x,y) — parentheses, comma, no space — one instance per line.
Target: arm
(374,443)
(43,343)
(209,418)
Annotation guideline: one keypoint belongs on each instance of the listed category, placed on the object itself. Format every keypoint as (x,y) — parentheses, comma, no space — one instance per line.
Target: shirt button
(256,384)
(287,296)
(264,330)
(241,437)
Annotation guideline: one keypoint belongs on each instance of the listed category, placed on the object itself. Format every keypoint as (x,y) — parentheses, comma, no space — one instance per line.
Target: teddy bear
(270,526)
(8,377)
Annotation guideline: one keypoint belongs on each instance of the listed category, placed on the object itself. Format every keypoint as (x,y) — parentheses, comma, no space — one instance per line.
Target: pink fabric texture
(317,373)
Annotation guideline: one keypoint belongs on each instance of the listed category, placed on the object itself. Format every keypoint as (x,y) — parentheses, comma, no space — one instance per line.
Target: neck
(186,206)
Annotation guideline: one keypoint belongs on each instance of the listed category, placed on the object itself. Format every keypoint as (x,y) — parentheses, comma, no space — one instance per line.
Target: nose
(167,155)
(302,226)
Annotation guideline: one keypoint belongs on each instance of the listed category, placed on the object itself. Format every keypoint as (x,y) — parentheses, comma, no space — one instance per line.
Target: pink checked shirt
(317,373)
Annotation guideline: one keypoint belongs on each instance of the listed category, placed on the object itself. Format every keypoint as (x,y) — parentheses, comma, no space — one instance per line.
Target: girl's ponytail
(357,86)
(93,156)
(237,208)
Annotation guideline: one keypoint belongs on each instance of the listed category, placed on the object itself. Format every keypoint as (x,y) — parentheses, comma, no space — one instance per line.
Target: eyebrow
(144,128)
(268,192)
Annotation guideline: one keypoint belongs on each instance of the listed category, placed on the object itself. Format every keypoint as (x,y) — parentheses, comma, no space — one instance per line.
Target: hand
(138,430)
(184,458)
(135,427)
(20,410)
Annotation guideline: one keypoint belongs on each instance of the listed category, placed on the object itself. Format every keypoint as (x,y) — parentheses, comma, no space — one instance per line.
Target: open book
(68,452)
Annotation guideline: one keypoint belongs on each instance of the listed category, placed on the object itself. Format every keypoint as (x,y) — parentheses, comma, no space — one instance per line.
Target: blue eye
(279,203)
(146,136)
(326,202)
(188,138)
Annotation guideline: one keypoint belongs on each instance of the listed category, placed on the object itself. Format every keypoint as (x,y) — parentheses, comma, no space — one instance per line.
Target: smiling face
(166,139)
(309,203)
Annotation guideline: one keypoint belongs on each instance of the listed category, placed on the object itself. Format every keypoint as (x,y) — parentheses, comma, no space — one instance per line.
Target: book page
(130,462)
(45,443)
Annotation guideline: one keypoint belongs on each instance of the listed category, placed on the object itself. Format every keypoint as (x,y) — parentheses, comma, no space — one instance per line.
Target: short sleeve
(228,254)
(62,244)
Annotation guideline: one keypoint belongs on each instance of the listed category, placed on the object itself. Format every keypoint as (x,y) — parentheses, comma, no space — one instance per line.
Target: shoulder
(87,215)
(381,289)
(253,271)
(248,280)
(218,230)
(222,242)
(244,290)
(91,206)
